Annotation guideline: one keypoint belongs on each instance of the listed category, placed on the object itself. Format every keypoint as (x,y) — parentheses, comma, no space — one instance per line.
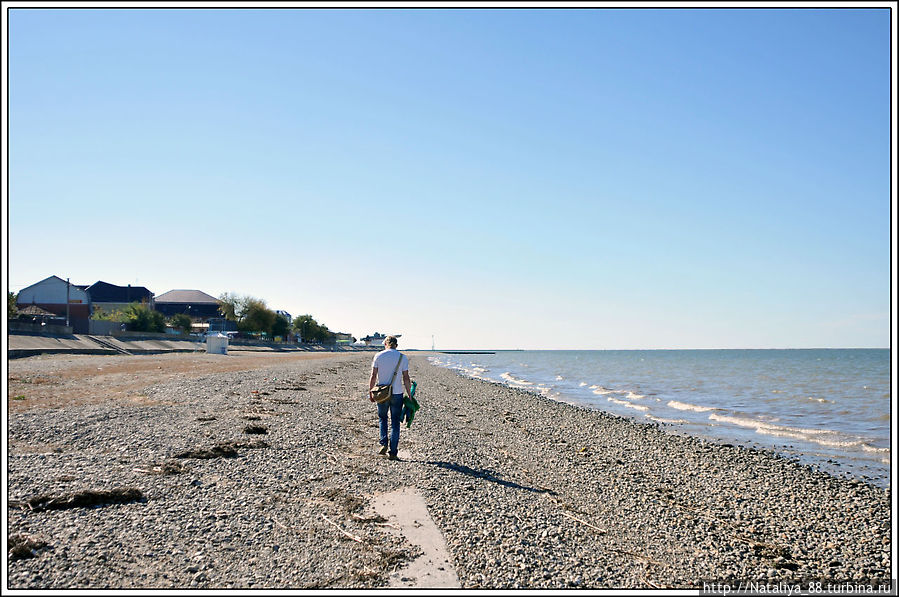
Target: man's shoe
(392,457)
(383,450)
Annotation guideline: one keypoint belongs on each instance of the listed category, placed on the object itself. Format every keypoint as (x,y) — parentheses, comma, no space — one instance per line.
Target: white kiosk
(217,344)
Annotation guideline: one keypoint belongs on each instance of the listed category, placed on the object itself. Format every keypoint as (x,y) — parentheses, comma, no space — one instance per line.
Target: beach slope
(264,473)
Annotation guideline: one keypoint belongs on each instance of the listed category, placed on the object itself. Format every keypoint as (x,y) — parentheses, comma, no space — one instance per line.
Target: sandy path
(407,511)
(58,380)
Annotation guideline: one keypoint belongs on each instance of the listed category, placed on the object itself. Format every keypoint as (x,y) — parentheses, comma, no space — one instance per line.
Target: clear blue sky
(511,178)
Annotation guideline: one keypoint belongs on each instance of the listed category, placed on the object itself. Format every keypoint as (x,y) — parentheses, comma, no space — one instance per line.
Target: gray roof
(186,296)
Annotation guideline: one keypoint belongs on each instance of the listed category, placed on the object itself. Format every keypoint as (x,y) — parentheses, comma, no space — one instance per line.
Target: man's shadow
(486,475)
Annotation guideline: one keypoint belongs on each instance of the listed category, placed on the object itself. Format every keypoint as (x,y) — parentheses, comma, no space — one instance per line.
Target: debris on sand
(170,467)
(216,451)
(255,429)
(83,499)
(23,546)
(351,503)
(375,518)
(224,450)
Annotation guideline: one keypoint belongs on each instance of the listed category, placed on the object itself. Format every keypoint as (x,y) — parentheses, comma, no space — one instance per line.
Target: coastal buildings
(100,308)
(194,303)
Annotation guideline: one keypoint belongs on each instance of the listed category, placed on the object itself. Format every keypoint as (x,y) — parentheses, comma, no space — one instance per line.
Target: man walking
(382,368)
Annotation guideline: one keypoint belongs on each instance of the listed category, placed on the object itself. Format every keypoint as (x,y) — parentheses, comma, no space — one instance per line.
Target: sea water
(829,408)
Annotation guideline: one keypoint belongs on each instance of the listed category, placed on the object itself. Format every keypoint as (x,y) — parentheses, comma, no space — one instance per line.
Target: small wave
(628,404)
(559,378)
(693,407)
(821,400)
(663,420)
(582,384)
(756,424)
(514,380)
(601,391)
(868,448)
(821,441)
(823,437)
(478,375)
(634,396)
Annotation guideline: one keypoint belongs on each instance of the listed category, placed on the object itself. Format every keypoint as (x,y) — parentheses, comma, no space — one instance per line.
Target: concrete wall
(101,327)
(30,327)
(126,335)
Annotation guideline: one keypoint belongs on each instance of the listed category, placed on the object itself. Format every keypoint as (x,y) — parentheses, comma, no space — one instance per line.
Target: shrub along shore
(265,478)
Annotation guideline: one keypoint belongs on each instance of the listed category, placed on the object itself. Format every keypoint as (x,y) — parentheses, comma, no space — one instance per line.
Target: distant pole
(432,341)
(67,302)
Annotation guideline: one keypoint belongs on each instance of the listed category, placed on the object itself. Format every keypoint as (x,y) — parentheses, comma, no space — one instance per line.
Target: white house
(51,293)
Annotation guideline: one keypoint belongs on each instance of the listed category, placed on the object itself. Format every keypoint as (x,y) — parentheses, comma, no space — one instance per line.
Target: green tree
(251,314)
(281,326)
(182,321)
(141,318)
(303,325)
(12,310)
(231,306)
(102,314)
(310,330)
(257,317)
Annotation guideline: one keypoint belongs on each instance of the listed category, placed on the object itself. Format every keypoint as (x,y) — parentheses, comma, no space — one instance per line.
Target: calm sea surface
(829,408)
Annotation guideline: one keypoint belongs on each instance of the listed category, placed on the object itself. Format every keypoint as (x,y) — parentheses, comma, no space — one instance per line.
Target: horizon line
(658,349)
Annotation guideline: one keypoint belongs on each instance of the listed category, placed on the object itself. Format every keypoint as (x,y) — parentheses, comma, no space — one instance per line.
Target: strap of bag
(392,377)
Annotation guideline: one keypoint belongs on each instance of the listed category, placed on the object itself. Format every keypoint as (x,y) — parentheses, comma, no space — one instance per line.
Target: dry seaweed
(216,451)
(255,429)
(23,546)
(351,503)
(224,450)
(84,499)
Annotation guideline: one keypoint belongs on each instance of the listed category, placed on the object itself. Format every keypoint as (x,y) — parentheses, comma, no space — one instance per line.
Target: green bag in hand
(410,406)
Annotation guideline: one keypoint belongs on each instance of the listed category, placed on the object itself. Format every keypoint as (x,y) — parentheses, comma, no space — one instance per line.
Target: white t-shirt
(385,361)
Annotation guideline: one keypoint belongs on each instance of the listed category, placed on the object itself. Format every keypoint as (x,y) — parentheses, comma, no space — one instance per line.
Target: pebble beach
(266,478)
